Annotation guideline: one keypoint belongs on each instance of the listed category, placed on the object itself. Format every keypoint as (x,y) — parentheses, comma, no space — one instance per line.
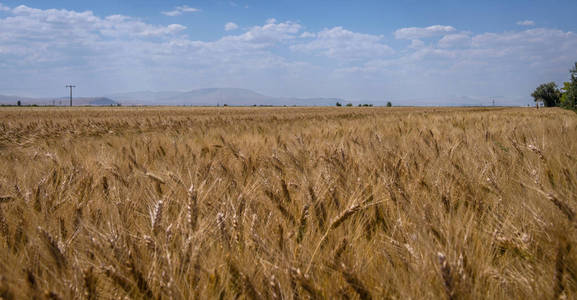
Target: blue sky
(406,51)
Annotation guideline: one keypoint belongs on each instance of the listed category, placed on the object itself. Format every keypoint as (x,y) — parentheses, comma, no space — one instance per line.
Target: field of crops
(288,203)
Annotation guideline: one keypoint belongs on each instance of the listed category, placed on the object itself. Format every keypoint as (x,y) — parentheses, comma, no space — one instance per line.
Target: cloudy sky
(407,51)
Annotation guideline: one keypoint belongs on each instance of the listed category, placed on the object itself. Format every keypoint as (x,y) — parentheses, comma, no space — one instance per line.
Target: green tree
(389,104)
(566,90)
(339,104)
(548,93)
(569,98)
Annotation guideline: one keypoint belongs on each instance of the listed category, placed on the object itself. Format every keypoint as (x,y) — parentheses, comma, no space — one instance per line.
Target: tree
(349,104)
(389,104)
(548,93)
(339,104)
(569,98)
(19,103)
(566,94)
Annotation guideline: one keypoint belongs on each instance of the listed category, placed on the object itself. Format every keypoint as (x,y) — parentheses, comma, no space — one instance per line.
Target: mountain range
(62,101)
(215,96)
(198,97)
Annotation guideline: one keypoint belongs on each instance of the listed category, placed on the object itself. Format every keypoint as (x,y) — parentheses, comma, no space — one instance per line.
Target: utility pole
(70,87)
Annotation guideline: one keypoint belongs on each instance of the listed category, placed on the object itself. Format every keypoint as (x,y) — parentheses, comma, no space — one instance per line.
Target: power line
(70,87)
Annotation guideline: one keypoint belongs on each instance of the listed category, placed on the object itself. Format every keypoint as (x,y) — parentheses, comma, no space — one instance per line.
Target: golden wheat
(362,203)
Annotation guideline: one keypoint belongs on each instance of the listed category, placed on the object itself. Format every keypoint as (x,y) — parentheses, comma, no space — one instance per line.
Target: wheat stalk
(53,248)
(192,208)
(355,283)
(335,223)
(90,284)
(303,223)
(156,216)
(447,276)
(562,251)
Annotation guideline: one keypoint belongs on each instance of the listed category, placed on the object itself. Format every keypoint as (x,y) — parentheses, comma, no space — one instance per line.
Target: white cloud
(413,33)
(307,34)
(526,23)
(416,44)
(506,50)
(455,40)
(230,26)
(268,34)
(253,43)
(4,7)
(338,42)
(57,38)
(179,10)
(45,47)
(538,39)
(53,24)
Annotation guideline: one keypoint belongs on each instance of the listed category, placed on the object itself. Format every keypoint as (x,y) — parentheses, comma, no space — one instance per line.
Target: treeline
(551,95)
(389,104)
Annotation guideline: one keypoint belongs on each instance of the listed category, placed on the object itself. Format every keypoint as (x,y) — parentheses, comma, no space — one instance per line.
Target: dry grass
(281,203)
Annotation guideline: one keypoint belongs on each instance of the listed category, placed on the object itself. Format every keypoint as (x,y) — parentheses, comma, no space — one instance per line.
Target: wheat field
(288,203)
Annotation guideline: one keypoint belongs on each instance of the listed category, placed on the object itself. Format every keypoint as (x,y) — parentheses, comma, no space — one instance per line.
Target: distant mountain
(220,96)
(101,101)
(314,101)
(80,101)
(13,100)
(143,96)
(199,97)
(213,97)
